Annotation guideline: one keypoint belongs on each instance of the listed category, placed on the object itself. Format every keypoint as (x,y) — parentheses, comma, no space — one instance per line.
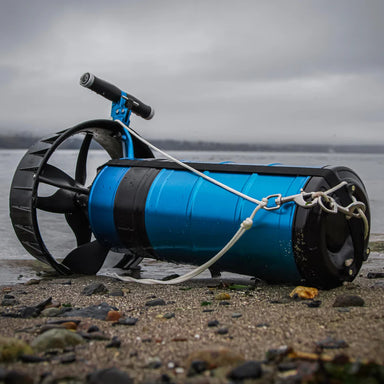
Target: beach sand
(250,320)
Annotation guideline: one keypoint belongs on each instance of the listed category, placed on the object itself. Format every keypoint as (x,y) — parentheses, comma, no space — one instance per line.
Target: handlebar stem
(121,111)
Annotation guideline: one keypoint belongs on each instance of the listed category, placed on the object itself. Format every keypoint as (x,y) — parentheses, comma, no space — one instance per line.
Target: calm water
(59,238)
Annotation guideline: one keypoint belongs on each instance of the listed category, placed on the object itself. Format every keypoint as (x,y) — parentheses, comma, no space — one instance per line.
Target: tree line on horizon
(25,141)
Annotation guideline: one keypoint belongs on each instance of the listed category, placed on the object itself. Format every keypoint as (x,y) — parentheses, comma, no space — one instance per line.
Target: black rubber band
(129,209)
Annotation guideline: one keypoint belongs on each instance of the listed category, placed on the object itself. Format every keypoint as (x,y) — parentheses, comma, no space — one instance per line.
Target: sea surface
(17,265)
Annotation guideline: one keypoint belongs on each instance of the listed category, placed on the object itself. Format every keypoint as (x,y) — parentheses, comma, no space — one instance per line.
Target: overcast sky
(242,71)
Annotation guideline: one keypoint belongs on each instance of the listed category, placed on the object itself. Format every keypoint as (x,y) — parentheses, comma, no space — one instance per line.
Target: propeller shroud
(70,198)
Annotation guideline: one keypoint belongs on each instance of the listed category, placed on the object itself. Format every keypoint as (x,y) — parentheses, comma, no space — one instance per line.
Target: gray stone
(213,323)
(99,311)
(16,377)
(35,310)
(348,301)
(108,376)
(375,275)
(56,339)
(9,302)
(116,293)
(51,312)
(126,321)
(115,343)
(249,370)
(95,289)
(155,302)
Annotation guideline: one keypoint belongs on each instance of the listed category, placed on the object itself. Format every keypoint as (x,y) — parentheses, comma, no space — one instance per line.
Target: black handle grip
(111,92)
(139,108)
(102,87)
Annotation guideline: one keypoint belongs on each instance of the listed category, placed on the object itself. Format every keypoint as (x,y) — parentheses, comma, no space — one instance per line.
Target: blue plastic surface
(189,219)
(101,204)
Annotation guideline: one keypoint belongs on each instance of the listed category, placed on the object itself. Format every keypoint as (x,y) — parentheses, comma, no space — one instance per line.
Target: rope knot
(247,223)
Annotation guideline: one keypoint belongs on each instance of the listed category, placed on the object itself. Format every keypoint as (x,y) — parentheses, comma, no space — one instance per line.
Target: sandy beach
(158,333)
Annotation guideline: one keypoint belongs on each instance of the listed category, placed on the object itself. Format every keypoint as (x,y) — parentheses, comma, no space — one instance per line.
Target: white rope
(303,199)
(244,226)
(189,168)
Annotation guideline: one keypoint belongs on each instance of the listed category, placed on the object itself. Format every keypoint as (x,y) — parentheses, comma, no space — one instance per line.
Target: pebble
(65,322)
(222,296)
(99,336)
(378,285)
(56,338)
(33,282)
(154,363)
(9,302)
(68,358)
(331,343)
(95,289)
(170,277)
(313,303)
(222,331)
(108,376)
(249,370)
(32,359)
(34,311)
(93,328)
(115,343)
(15,377)
(224,303)
(375,275)
(117,293)
(11,349)
(213,323)
(277,354)
(51,312)
(155,302)
(113,316)
(304,292)
(98,311)
(197,367)
(262,325)
(126,321)
(348,301)
(216,357)
(236,315)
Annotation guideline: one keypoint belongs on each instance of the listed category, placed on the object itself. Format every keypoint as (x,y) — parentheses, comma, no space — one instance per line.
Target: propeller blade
(81,165)
(79,224)
(128,261)
(62,201)
(52,175)
(86,259)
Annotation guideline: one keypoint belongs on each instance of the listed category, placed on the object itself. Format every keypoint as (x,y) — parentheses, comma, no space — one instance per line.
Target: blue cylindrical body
(174,215)
(189,219)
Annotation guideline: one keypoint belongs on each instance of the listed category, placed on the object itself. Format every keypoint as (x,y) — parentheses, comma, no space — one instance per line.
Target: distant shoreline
(24,142)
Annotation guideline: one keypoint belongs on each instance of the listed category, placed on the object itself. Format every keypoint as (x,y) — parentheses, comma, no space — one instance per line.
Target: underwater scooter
(278,223)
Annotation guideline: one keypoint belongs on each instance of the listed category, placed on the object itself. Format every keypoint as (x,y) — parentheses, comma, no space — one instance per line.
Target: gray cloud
(214,70)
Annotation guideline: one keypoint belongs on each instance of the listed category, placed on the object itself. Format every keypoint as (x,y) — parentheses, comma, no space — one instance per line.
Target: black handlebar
(112,93)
